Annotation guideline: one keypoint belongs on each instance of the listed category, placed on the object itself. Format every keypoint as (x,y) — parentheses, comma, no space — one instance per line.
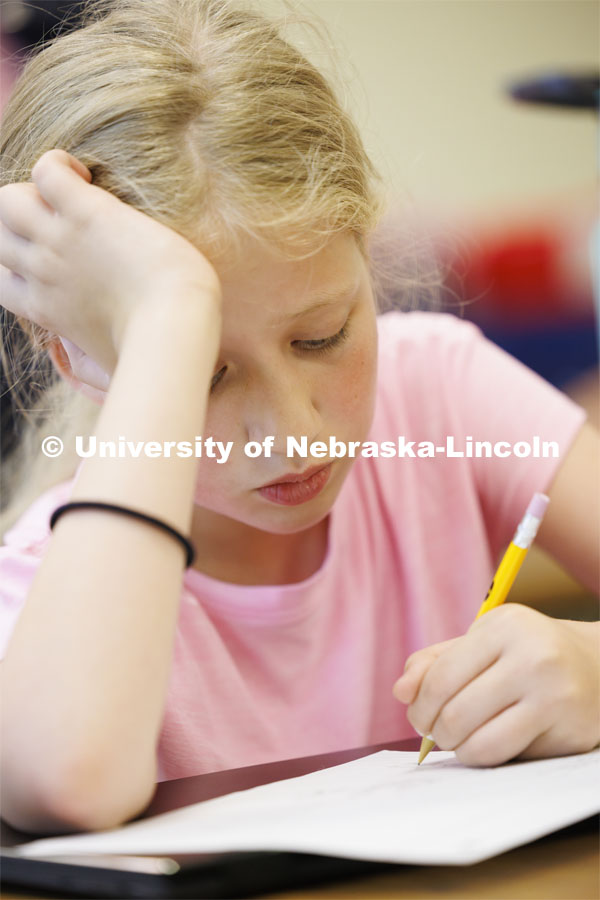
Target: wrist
(587,635)
(191,314)
(589,631)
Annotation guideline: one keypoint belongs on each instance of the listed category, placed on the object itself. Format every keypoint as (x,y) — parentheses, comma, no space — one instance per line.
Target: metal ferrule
(526,531)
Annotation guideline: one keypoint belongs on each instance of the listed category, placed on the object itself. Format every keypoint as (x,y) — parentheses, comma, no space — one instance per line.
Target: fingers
(26,258)
(14,251)
(27,209)
(488,695)
(501,738)
(13,292)
(58,177)
(450,673)
(514,686)
(416,666)
(24,211)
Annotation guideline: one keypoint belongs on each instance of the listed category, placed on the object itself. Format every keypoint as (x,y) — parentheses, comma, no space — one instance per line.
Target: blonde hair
(200,114)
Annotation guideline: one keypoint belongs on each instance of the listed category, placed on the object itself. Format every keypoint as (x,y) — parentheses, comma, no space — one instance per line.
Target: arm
(570,531)
(85,675)
(521,684)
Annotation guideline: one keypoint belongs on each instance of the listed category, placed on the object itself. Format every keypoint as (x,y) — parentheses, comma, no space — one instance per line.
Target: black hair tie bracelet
(143,517)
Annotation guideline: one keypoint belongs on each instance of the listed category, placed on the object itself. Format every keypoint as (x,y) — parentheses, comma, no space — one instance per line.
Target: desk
(561,866)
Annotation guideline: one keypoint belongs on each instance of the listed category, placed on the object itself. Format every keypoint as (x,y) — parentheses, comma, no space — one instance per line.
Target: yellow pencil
(506,573)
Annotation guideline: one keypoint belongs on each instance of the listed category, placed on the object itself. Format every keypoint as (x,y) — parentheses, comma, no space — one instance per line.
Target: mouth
(295,478)
(293,489)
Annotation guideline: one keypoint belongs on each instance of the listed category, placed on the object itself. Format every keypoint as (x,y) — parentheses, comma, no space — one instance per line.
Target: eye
(217,377)
(323,344)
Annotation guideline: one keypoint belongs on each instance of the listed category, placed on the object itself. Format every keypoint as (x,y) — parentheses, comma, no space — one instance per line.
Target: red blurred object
(518,273)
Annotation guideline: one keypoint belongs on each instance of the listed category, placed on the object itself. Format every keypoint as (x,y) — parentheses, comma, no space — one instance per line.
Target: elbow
(82,797)
(91,808)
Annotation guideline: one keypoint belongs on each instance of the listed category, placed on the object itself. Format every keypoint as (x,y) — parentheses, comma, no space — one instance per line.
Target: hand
(517,684)
(78,262)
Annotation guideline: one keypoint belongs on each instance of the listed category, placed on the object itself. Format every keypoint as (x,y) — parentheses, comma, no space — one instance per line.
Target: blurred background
(505,191)
(501,193)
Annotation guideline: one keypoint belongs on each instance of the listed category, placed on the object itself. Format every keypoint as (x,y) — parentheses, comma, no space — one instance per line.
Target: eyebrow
(326,299)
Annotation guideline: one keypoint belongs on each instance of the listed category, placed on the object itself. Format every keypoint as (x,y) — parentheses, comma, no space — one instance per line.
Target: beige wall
(428,84)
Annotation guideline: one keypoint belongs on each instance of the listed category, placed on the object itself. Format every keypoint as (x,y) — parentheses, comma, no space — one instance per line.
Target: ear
(62,364)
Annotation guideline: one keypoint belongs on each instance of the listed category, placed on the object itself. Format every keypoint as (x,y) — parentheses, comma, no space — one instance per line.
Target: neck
(234,552)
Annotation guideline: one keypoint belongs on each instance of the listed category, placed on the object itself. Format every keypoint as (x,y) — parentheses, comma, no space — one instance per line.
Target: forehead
(260,283)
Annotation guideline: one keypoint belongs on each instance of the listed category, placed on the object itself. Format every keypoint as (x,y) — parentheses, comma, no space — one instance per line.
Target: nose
(282,405)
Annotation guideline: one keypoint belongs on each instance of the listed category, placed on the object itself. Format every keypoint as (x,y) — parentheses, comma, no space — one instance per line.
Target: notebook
(378,809)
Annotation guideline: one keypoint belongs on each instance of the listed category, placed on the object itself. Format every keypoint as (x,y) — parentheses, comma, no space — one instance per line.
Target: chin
(293,519)
(261,514)
(294,524)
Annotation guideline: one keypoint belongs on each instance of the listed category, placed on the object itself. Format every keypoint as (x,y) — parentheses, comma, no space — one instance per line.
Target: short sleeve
(17,571)
(446,382)
(518,427)
(21,554)
(511,410)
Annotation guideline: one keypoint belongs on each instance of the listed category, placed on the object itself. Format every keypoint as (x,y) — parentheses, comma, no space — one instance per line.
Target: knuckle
(410,660)
(89,212)
(479,751)
(15,201)
(9,194)
(432,693)
(42,264)
(40,169)
(50,156)
(435,681)
(547,657)
(426,693)
(509,613)
(567,694)
(11,290)
(447,725)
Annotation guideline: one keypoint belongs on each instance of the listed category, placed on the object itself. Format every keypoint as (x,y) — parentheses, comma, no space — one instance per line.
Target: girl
(195,255)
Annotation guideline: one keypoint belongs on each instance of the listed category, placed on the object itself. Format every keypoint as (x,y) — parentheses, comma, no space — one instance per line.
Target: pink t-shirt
(273,672)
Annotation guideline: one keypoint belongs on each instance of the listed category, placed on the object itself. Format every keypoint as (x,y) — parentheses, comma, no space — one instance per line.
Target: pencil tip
(426,745)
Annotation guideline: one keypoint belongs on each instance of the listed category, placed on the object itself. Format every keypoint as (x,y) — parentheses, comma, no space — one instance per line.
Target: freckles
(357,381)
(350,392)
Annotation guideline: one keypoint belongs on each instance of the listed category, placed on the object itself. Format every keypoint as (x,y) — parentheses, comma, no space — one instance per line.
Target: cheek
(214,480)
(353,386)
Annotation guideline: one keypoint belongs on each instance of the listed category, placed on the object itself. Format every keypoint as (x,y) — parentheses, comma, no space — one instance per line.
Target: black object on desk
(194,875)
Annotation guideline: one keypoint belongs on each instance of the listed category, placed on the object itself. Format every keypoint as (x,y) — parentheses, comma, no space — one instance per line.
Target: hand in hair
(78,262)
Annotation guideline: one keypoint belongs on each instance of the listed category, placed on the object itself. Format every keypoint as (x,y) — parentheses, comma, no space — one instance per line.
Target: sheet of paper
(382,807)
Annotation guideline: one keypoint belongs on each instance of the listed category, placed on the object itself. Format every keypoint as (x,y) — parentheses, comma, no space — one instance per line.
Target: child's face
(268,381)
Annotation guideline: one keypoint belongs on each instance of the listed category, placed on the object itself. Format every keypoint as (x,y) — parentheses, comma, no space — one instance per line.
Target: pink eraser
(538,505)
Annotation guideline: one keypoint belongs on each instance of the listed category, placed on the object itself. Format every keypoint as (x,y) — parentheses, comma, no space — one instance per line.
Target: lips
(294,478)
(302,488)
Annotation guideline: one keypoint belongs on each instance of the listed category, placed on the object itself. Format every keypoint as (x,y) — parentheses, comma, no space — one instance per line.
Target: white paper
(382,807)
